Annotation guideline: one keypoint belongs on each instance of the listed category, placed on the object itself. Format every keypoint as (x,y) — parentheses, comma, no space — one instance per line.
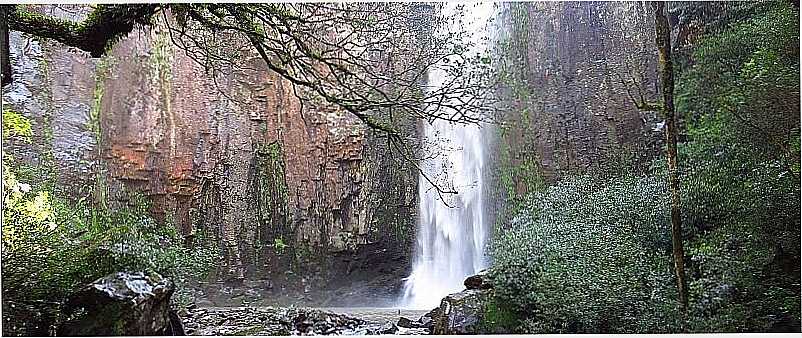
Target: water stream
(451,236)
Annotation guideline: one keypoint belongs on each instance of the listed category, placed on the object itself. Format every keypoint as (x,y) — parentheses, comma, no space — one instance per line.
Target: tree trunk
(5,61)
(666,69)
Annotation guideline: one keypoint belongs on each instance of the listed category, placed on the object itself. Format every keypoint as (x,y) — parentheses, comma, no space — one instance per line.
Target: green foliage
(742,237)
(101,74)
(743,165)
(498,317)
(718,58)
(594,254)
(526,173)
(279,245)
(53,244)
(272,202)
(582,257)
(14,124)
(761,110)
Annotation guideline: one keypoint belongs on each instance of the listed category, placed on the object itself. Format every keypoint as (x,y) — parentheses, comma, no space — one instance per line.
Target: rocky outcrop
(472,311)
(572,67)
(479,281)
(242,157)
(459,313)
(121,304)
(369,277)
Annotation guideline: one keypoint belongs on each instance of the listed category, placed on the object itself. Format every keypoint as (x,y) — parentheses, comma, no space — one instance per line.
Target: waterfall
(452,233)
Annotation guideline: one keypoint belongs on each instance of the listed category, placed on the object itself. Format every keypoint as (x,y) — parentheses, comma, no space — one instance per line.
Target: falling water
(452,233)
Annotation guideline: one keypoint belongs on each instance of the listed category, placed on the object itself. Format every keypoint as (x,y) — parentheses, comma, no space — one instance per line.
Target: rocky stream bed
(138,304)
(270,321)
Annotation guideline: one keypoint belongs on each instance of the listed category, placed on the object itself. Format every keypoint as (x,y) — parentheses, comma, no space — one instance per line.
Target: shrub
(52,244)
(582,257)
(594,256)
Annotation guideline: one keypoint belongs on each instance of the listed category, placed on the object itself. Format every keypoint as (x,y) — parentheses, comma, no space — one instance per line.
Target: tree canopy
(359,57)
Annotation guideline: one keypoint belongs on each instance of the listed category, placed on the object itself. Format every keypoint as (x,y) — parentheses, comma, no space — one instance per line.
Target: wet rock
(388,328)
(131,304)
(428,318)
(267,285)
(460,313)
(425,322)
(479,281)
(270,321)
(176,325)
(405,322)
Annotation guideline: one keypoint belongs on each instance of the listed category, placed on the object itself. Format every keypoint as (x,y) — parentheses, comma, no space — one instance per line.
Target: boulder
(425,322)
(406,323)
(479,281)
(176,324)
(388,328)
(460,313)
(121,304)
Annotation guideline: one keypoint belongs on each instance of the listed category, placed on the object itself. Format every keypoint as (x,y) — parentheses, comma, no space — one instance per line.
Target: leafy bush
(718,58)
(594,256)
(742,195)
(582,257)
(742,238)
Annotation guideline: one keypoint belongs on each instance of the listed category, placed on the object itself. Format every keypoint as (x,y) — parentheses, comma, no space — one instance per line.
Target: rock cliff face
(568,71)
(239,158)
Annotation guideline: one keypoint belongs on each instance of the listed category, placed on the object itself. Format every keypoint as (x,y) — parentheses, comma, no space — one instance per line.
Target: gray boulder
(460,313)
(424,322)
(471,311)
(129,304)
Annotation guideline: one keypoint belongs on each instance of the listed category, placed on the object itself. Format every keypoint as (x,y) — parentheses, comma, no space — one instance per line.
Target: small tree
(666,71)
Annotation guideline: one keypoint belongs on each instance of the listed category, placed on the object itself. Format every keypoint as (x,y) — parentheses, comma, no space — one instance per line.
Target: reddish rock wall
(242,158)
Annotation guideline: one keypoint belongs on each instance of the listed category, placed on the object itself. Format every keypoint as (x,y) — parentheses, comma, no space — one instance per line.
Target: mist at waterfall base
(451,227)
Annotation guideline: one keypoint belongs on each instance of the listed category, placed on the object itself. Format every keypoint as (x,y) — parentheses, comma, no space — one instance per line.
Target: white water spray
(451,238)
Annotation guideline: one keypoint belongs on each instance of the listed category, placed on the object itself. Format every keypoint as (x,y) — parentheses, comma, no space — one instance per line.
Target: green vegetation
(101,74)
(273,210)
(593,254)
(279,245)
(583,255)
(498,317)
(526,173)
(53,244)
(16,125)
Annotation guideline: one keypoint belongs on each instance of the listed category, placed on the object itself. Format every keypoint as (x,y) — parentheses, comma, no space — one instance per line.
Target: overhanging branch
(103,26)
